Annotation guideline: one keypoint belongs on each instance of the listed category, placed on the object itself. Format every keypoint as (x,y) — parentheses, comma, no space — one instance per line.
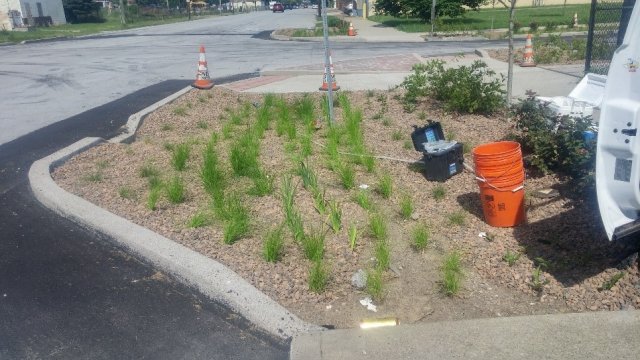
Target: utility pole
(327,65)
(433,15)
(123,18)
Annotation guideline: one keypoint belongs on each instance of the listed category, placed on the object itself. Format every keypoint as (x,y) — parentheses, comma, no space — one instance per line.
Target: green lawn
(112,23)
(497,18)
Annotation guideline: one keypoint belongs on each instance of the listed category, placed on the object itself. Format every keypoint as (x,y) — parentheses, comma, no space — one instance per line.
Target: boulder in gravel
(359,279)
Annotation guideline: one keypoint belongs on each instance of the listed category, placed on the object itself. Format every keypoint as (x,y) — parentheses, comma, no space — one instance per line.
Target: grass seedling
(451,274)
(406,206)
(378,226)
(273,245)
(382,255)
(211,172)
(200,219)
(407,145)
(227,131)
(154,182)
(347,175)
(309,179)
(94,177)
(313,245)
(244,155)
(318,277)
(166,127)
(126,192)
(611,282)
(537,282)
(385,186)
(456,218)
(237,219)
(353,236)
(175,190)
(152,199)
(420,237)
(369,163)
(102,164)
(262,185)
(168,146)
(375,285)
(306,148)
(180,156)
(202,99)
(438,192)
(386,121)
(363,199)
(180,111)
(202,125)
(511,257)
(148,170)
(397,135)
(335,216)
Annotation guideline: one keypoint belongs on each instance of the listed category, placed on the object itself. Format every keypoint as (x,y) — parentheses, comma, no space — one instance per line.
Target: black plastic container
(442,159)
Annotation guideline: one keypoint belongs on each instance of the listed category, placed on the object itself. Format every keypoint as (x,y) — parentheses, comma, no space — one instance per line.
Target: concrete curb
(192,268)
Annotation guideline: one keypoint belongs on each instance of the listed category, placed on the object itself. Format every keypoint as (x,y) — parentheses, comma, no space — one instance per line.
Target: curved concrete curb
(208,276)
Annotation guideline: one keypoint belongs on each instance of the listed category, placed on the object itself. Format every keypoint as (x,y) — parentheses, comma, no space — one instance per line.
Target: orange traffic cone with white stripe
(351,31)
(325,80)
(527,60)
(203,81)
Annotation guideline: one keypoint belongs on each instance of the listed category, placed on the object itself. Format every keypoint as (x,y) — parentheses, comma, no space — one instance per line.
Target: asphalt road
(46,82)
(68,293)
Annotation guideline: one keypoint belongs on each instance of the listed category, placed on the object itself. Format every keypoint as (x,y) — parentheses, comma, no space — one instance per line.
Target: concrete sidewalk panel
(597,335)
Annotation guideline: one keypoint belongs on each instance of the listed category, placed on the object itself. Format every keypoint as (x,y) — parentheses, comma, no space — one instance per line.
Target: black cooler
(442,159)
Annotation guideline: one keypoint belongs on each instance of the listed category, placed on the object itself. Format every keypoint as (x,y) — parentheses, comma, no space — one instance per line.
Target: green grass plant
(438,192)
(420,237)
(244,156)
(211,172)
(347,175)
(153,198)
(180,156)
(95,176)
(166,127)
(382,254)
(363,199)
(180,111)
(353,236)
(273,245)
(375,284)
(318,277)
(126,192)
(320,201)
(456,218)
(608,285)
(309,178)
(198,220)
(313,245)
(385,186)
(176,190)
(262,184)
(202,125)
(451,274)
(406,206)
(378,226)
(335,216)
(407,145)
(397,135)
(511,257)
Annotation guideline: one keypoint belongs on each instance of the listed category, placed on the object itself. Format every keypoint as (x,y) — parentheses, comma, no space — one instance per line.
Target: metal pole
(123,18)
(327,66)
(433,15)
(589,53)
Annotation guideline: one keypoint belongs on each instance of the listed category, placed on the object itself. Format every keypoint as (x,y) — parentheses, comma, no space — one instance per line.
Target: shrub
(555,143)
(533,26)
(472,89)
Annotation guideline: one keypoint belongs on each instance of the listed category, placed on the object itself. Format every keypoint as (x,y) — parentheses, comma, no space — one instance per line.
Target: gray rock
(359,279)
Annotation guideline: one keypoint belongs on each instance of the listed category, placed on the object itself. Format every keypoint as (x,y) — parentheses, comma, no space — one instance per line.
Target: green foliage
(175,190)
(211,172)
(555,143)
(438,192)
(273,245)
(153,197)
(199,219)
(385,186)
(309,178)
(382,254)
(262,184)
(456,218)
(202,125)
(375,285)
(397,135)
(363,199)
(406,206)
(407,145)
(378,226)
(180,156)
(292,217)
(611,282)
(554,49)
(353,236)
(420,237)
(335,216)
(451,274)
(236,217)
(95,176)
(82,11)
(244,155)
(472,89)
(537,280)
(511,257)
(166,127)
(313,245)
(180,111)
(126,192)
(347,175)
(318,277)
(422,8)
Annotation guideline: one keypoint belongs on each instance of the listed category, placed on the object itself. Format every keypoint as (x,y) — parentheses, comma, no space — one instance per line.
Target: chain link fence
(607,26)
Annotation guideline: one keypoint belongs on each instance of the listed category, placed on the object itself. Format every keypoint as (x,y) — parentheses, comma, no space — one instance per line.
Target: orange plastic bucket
(500,174)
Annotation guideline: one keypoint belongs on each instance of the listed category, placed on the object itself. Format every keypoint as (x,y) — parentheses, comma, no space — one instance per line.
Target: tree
(82,11)
(422,8)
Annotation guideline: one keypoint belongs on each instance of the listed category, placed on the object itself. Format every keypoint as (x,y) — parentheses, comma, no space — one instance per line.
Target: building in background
(21,14)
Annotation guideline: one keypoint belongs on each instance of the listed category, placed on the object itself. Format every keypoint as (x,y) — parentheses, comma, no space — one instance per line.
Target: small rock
(545,193)
(359,279)
(415,216)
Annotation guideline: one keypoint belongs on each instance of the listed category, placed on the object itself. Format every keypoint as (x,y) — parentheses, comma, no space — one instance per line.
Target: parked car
(314,6)
(277,7)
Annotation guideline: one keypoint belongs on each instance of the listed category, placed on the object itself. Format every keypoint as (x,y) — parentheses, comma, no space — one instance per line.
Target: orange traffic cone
(325,80)
(203,81)
(351,31)
(527,60)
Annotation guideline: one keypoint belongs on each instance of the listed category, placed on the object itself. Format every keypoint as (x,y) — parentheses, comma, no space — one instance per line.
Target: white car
(314,6)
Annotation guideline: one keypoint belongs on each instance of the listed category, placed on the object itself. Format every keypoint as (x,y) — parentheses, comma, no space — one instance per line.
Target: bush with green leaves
(555,49)
(472,89)
(556,143)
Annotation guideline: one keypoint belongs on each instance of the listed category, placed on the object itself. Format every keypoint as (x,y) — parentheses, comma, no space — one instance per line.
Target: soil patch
(562,236)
